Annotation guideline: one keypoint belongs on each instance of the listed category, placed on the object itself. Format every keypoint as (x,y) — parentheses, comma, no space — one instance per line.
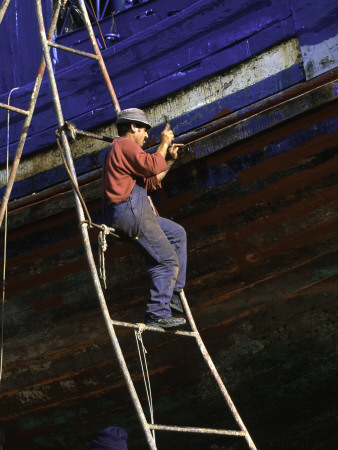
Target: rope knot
(138,333)
(102,240)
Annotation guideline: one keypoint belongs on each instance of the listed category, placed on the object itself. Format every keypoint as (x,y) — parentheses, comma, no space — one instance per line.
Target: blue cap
(111,438)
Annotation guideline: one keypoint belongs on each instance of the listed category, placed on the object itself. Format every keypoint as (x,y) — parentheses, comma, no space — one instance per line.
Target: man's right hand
(167,136)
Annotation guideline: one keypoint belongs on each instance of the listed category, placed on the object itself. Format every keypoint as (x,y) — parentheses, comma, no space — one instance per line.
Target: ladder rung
(72,50)
(13,108)
(157,329)
(197,430)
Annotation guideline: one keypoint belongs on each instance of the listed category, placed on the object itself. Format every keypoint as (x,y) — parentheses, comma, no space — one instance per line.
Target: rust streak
(273,276)
(289,159)
(263,306)
(236,249)
(276,133)
(46,303)
(296,240)
(279,189)
(295,211)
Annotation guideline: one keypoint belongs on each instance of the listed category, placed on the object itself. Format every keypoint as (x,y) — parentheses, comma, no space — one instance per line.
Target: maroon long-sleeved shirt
(124,164)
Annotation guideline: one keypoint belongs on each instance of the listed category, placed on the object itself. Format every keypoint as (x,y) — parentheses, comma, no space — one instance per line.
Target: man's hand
(172,151)
(167,150)
(167,136)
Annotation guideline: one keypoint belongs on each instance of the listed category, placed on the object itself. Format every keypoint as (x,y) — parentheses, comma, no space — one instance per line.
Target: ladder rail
(84,230)
(97,51)
(215,373)
(28,119)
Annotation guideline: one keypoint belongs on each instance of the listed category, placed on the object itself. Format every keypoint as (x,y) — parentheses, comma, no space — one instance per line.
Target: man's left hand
(172,151)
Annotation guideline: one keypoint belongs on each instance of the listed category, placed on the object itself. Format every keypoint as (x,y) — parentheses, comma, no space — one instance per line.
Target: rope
(97,23)
(73,181)
(104,230)
(144,366)
(102,248)
(68,126)
(5,251)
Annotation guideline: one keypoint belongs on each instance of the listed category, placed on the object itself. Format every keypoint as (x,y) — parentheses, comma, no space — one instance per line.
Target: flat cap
(133,115)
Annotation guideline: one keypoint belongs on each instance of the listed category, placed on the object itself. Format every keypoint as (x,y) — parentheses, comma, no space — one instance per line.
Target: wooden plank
(129,76)
(249,127)
(185,122)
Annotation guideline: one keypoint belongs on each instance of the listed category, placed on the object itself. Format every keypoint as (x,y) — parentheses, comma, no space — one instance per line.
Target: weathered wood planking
(268,114)
(155,63)
(20,25)
(262,285)
(222,36)
(20,45)
(196,106)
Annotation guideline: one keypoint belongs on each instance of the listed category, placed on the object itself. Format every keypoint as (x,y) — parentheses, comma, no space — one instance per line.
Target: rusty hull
(261,216)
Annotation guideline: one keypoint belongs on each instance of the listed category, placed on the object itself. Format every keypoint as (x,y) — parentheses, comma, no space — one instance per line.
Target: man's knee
(172,260)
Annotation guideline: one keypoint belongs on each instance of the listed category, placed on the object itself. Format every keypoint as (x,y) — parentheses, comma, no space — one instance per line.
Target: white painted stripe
(202,93)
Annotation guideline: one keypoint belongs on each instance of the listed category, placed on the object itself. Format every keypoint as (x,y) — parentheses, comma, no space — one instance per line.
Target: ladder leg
(28,120)
(215,373)
(86,241)
(100,59)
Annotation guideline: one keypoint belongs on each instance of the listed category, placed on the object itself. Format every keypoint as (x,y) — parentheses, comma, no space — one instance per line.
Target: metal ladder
(147,427)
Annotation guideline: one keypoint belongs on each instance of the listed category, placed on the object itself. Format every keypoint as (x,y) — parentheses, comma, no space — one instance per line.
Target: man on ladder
(128,174)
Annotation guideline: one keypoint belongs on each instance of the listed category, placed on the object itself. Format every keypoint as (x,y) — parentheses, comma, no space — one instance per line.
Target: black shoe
(175,303)
(169,322)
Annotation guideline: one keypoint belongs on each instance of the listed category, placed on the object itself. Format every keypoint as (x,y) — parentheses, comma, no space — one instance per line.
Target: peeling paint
(203,93)
(32,396)
(320,58)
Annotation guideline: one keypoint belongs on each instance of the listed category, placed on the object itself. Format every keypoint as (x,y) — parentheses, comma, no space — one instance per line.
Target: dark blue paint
(20,44)
(212,177)
(336,90)
(315,21)
(183,124)
(194,38)
(134,90)
(43,238)
(127,23)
